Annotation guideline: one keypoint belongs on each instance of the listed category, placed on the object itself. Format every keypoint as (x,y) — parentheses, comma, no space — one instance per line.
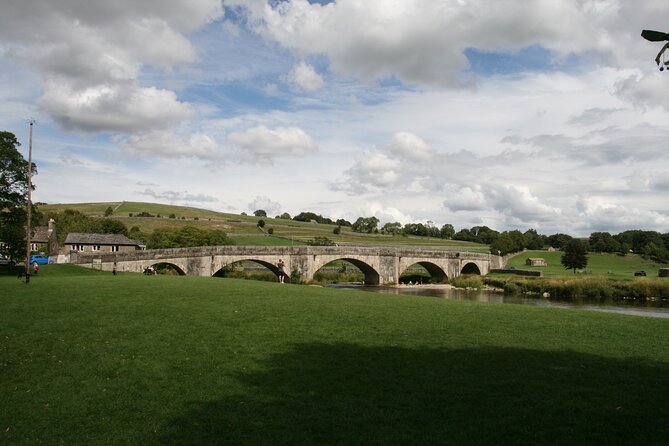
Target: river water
(648,308)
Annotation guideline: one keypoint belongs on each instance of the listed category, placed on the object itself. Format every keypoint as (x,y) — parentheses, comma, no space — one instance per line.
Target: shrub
(296,276)
(511,288)
(467,281)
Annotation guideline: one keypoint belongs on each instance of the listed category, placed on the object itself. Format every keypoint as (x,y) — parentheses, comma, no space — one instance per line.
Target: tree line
(650,244)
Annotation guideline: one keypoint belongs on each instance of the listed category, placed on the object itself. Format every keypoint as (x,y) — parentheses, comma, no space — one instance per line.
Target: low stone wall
(518,272)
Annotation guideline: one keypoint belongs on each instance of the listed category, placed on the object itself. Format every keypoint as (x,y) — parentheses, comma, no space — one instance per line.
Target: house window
(114,248)
(33,246)
(79,248)
(96,247)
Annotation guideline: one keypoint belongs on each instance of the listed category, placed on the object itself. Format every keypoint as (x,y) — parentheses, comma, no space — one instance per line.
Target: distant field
(242,228)
(609,265)
(91,358)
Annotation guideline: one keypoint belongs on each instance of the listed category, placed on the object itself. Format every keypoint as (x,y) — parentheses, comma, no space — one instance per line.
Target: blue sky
(545,115)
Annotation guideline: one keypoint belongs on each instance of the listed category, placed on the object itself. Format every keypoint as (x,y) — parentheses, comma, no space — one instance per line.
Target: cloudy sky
(516,114)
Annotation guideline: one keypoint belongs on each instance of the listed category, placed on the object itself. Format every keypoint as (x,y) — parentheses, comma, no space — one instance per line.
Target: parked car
(4,261)
(640,273)
(40,259)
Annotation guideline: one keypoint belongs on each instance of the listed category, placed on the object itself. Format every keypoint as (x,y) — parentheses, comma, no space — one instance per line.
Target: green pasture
(599,264)
(91,358)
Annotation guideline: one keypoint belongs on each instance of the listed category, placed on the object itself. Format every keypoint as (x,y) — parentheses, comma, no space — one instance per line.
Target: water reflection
(651,308)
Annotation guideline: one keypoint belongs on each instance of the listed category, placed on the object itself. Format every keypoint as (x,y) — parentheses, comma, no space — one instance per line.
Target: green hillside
(243,228)
(599,264)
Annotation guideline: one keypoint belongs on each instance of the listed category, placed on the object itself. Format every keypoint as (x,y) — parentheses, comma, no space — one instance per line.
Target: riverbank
(586,287)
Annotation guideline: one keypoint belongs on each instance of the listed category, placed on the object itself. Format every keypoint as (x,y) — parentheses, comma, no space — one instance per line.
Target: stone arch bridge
(379,265)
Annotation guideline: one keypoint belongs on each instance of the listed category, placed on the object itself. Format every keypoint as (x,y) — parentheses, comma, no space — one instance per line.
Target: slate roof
(79,238)
(41,235)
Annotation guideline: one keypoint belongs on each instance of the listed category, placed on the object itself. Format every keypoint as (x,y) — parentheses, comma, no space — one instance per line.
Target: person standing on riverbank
(282,275)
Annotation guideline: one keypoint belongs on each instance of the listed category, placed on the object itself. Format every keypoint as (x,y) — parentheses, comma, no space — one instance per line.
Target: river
(648,308)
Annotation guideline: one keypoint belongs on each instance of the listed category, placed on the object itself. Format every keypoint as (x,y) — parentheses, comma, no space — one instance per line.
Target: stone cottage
(45,239)
(81,242)
(536,261)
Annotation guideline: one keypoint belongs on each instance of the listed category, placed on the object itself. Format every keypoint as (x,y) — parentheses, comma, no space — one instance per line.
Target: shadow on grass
(350,394)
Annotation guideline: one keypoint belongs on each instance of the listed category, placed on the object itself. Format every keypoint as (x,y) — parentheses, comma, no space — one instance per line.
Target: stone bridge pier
(379,265)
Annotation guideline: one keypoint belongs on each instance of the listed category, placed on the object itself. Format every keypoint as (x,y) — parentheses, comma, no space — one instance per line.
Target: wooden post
(30,186)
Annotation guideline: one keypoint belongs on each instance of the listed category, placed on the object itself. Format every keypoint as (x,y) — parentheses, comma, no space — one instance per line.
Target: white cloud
(89,55)
(174,196)
(113,108)
(466,199)
(650,90)
(399,163)
(518,203)
(261,144)
(408,146)
(423,41)
(599,214)
(304,76)
(161,144)
(261,202)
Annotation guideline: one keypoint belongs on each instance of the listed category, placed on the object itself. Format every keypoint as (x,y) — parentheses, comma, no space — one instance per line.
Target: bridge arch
(156,264)
(436,272)
(269,265)
(471,268)
(372,276)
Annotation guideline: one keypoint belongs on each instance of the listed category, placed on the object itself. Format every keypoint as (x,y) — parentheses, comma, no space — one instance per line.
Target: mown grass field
(243,229)
(91,358)
(599,264)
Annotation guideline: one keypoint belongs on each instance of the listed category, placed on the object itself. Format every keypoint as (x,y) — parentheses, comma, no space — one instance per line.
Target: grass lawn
(600,264)
(90,358)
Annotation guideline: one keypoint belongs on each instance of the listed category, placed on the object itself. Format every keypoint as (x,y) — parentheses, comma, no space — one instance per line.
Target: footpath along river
(648,308)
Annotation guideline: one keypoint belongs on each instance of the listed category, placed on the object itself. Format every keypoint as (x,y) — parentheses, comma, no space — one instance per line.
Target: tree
(311,216)
(603,242)
(13,196)
(71,220)
(260,213)
(464,235)
(532,240)
(418,229)
(558,241)
(447,231)
(393,228)
(365,224)
(337,230)
(109,211)
(187,236)
(575,255)
(261,223)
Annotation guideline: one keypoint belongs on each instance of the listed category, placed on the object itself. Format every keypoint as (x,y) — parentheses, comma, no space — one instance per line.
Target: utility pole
(29,205)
